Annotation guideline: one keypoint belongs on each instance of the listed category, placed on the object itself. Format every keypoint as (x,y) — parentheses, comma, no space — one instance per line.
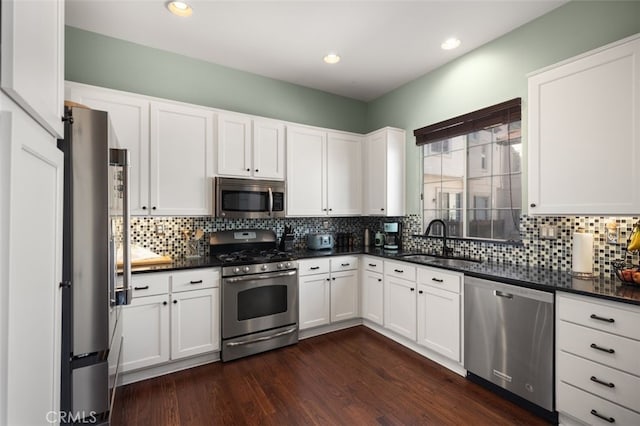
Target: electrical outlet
(160,229)
(325,224)
(548,232)
(611,232)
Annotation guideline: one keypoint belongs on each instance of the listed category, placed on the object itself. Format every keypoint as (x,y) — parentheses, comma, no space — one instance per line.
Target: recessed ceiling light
(332,58)
(450,43)
(179,8)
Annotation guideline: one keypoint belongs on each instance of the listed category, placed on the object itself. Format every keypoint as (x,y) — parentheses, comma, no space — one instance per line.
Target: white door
(146,332)
(400,306)
(439,321)
(31,178)
(181,160)
(129,117)
(344,174)
(234,145)
(375,179)
(195,322)
(306,168)
(372,297)
(268,149)
(314,297)
(344,295)
(32,59)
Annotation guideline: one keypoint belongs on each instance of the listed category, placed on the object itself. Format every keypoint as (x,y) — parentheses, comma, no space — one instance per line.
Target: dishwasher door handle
(502,294)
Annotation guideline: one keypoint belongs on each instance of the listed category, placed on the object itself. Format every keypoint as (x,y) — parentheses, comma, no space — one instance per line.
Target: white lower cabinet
(597,367)
(373,290)
(328,297)
(439,312)
(168,321)
(400,299)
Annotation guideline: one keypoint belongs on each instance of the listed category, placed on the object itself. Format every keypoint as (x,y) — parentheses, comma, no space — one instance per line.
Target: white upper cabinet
(344,174)
(306,168)
(323,173)
(32,59)
(384,173)
(584,137)
(250,147)
(181,163)
(129,117)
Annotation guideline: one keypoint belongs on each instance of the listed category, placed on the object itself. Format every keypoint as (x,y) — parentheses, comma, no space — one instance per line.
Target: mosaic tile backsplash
(170,236)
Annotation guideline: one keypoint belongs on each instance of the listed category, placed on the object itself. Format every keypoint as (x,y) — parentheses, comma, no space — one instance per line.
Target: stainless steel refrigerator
(96,225)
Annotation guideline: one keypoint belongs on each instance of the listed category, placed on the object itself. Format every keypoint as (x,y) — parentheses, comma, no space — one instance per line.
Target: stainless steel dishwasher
(508,338)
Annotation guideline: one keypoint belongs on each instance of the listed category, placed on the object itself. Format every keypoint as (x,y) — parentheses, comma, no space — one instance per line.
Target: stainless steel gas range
(259,292)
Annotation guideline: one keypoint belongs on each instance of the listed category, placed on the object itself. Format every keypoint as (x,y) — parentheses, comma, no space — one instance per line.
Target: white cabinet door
(146,332)
(234,145)
(439,321)
(306,168)
(129,117)
(384,173)
(314,300)
(373,297)
(181,160)
(268,149)
(32,59)
(344,174)
(584,134)
(344,295)
(400,306)
(195,322)
(30,267)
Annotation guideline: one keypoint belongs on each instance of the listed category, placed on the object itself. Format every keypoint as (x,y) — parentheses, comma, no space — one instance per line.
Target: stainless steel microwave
(249,198)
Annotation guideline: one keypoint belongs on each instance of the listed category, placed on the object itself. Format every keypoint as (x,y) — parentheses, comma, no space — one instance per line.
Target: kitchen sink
(453,262)
(422,258)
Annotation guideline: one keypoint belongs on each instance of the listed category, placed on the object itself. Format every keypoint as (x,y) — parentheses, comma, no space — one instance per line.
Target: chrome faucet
(446,251)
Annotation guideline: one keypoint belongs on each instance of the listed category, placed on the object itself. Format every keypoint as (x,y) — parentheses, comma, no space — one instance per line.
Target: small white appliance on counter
(320,241)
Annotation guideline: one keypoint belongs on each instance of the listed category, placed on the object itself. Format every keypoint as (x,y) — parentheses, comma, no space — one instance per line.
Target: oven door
(254,303)
(246,198)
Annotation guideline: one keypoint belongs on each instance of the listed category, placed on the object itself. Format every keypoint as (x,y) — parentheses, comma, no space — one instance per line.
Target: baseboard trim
(324,329)
(129,377)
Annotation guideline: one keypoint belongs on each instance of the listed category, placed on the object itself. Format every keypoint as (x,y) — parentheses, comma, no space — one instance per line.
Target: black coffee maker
(392,235)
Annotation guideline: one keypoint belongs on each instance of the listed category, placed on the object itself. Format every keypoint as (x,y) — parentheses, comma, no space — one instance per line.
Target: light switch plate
(549,232)
(160,229)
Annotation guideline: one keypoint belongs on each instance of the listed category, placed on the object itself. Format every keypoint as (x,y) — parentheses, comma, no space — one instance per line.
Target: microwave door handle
(270,201)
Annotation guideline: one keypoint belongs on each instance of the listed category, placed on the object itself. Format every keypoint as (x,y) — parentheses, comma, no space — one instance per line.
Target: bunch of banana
(633,243)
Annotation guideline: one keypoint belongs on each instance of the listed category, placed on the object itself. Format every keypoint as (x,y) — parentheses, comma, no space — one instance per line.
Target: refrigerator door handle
(126,223)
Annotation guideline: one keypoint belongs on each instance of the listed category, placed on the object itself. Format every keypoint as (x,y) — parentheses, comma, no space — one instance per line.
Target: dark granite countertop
(603,286)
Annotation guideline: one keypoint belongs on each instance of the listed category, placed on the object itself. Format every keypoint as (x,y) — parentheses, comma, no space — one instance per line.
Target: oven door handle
(262,339)
(260,277)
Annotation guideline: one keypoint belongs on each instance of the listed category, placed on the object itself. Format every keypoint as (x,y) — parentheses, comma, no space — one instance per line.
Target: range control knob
(264,267)
(280,265)
(288,264)
(246,269)
(236,270)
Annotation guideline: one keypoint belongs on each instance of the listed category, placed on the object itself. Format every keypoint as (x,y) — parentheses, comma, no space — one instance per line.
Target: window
(472,168)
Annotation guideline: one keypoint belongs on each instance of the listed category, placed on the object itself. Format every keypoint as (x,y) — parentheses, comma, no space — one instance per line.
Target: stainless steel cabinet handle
(262,339)
(260,277)
(502,294)
(600,348)
(600,382)
(605,418)
(599,318)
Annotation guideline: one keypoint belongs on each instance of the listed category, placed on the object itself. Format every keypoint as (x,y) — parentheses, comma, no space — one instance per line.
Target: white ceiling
(383,44)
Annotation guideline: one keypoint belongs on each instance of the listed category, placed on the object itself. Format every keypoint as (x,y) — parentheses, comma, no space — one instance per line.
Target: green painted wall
(108,62)
(497,72)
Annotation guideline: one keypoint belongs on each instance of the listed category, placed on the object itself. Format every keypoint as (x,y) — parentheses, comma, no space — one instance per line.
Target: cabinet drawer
(401,270)
(149,284)
(344,263)
(615,351)
(313,266)
(195,279)
(586,407)
(610,384)
(373,264)
(439,279)
(601,316)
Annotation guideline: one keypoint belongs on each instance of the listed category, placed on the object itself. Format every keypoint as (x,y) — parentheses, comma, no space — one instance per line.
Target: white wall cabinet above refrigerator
(32,59)
(250,147)
(323,173)
(384,172)
(584,137)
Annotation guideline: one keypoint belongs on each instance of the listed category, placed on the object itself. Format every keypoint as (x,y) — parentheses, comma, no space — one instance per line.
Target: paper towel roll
(582,253)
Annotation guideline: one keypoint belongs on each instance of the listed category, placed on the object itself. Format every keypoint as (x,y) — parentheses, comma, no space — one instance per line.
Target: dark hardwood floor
(349,377)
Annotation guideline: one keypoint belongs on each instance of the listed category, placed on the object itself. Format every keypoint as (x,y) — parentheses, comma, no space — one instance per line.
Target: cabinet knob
(334,278)
(412,289)
(420,291)
(532,205)
(257,170)
(379,279)
(330,210)
(164,303)
(328,279)
(248,170)
(153,208)
(175,302)
(382,209)
(144,207)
